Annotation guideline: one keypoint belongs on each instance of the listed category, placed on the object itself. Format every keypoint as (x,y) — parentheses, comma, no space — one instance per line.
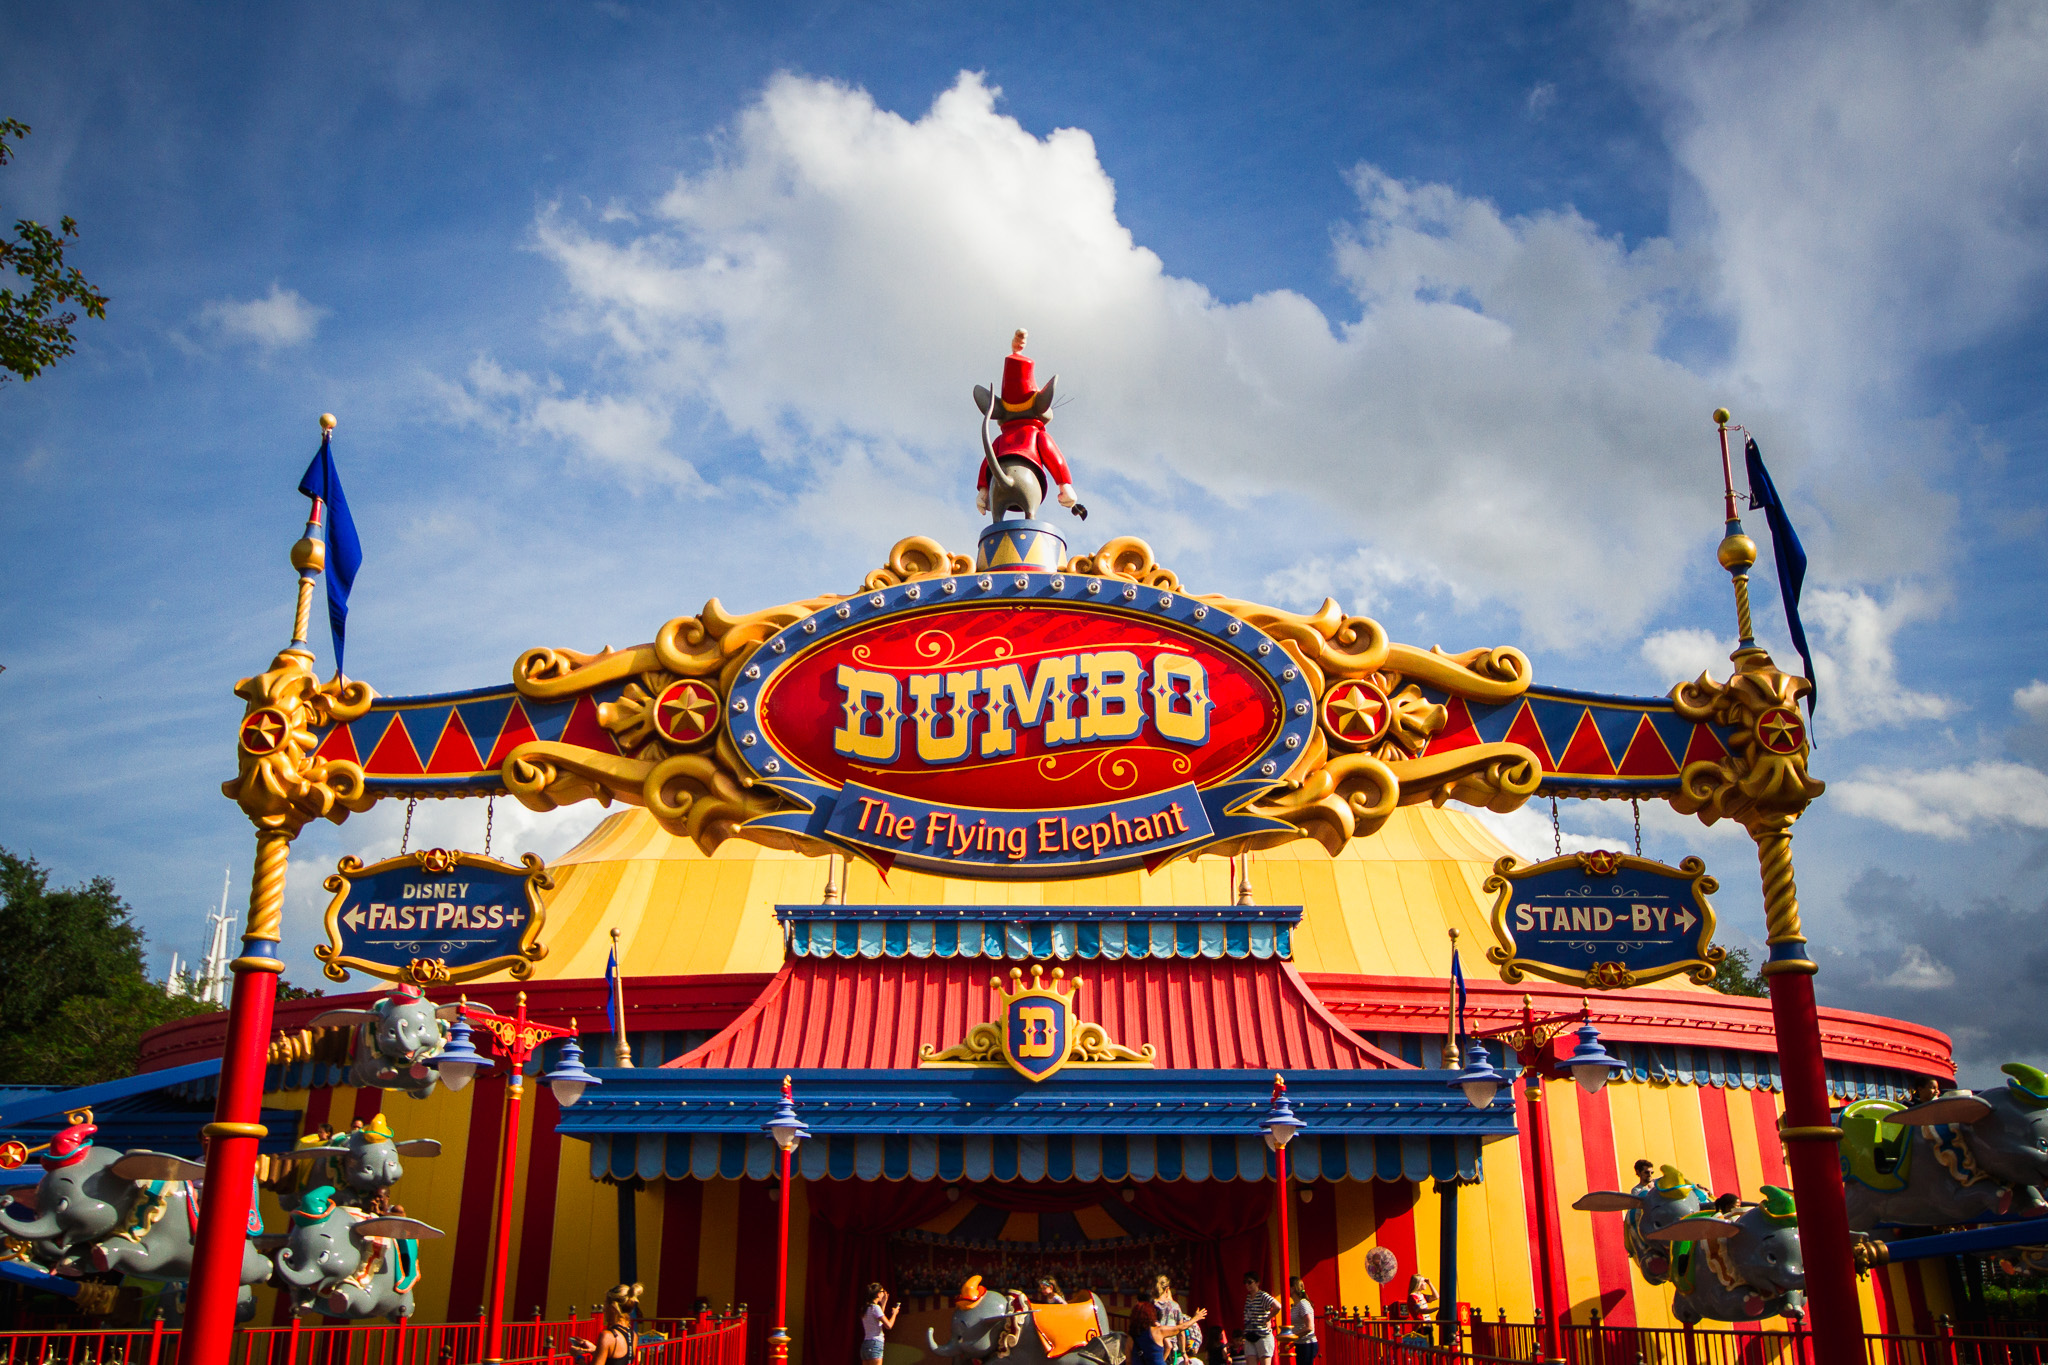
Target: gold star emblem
(1356,713)
(686,712)
(264,731)
(1780,730)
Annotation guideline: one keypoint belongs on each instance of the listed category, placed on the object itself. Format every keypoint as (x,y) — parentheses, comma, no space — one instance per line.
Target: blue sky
(623,307)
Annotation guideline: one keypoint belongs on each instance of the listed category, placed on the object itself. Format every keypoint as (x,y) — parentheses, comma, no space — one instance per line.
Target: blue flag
(1788,552)
(611,989)
(344,551)
(1458,978)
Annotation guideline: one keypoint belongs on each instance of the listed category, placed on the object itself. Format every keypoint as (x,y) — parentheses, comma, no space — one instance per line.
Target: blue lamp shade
(459,1060)
(785,1127)
(568,1078)
(1479,1080)
(1280,1123)
(1590,1064)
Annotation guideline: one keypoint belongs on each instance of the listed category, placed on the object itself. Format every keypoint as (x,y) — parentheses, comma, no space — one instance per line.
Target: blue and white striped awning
(1058,932)
(736,1156)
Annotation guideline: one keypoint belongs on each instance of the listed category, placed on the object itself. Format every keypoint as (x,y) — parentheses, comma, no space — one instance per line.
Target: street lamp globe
(1280,1124)
(458,1061)
(1479,1080)
(569,1078)
(785,1127)
(1590,1064)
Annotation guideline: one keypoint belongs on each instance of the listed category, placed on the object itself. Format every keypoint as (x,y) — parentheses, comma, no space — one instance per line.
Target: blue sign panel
(434,916)
(1603,920)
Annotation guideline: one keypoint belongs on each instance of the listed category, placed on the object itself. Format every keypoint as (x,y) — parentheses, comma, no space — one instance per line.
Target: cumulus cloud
(1682,655)
(1947,803)
(2031,701)
(1918,971)
(845,273)
(1856,663)
(278,320)
(626,434)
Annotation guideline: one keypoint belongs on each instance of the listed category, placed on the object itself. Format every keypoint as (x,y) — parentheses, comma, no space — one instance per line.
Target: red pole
(1539,1136)
(1286,1333)
(778,1340)
(233,1134)
(1810,1138)
(508,1155)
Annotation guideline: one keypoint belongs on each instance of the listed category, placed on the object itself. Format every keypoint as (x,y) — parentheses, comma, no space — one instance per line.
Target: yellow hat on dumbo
(970,1293)
(1672,1184)
(378,1129)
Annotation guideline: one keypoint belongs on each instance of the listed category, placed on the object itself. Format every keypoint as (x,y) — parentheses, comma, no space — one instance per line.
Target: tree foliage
(1737,975)
(77,1000)
(33,333)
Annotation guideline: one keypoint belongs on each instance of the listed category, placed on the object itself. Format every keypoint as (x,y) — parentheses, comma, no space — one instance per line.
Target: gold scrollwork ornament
(278,783)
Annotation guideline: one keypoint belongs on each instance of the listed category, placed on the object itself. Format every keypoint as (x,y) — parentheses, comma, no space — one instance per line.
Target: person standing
(1303,1319)
(1150,1340)
(1171,1315)
(875,1321)
(1260,1309)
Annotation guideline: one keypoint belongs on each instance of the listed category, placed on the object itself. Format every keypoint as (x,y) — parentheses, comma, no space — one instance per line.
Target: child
(875,1320)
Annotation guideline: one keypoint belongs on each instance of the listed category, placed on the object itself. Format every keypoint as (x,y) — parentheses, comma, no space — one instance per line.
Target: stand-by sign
(1603,920)
(434,916)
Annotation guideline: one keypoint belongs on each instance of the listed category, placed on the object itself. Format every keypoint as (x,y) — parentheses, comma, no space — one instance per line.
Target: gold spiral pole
(266,896)
(1773,837)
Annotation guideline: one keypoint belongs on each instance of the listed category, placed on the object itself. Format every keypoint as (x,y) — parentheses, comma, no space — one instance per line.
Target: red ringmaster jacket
(1030,440)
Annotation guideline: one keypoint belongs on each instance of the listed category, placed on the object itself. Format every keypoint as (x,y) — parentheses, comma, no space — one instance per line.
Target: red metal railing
(715,1340)
(1353,1338)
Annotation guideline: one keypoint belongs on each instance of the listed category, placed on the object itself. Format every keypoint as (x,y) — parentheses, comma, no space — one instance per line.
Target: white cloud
(2031,701)
(1855,663)
(1948,803)
(628,435)
(1682,655)
(1919,971)
(274,322)
(842,271)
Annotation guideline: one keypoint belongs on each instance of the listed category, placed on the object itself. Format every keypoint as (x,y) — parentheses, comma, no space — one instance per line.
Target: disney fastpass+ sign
(434,915)
(1026,724)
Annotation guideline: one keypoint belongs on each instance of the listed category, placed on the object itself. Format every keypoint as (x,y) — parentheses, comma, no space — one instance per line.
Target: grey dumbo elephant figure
(395,1039)
(1646,1210)
(1741,1269)
(1949,1161)
(132,1212)
(360,1165)
(990,1325)
(348,1264)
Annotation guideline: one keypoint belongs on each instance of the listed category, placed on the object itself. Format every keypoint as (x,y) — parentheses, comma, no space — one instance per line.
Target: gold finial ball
(1720,417)
(327,422)
(1737,553)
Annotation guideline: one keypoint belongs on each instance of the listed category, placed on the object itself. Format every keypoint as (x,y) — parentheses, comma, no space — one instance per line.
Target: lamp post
(1280,1126)
(787,1130)
(517,1037)
(1590,1066)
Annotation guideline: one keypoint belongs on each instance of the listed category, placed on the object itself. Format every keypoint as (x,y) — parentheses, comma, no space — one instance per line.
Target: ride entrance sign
(1603,920)
(434,916)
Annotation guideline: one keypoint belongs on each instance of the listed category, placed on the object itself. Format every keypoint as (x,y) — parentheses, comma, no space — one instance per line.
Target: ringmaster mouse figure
(1023,463)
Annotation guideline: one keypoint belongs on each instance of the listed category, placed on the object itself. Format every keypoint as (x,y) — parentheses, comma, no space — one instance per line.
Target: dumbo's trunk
(951,1348)
(41,1228)
(288,1271)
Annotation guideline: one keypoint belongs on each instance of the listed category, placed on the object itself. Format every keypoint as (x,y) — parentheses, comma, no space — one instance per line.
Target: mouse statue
(1023,464)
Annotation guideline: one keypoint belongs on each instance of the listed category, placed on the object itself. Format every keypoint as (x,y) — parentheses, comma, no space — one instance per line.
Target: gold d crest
(1037,1031)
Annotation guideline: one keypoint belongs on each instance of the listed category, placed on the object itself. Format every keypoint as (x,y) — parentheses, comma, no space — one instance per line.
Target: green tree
(33,333)
(1737,975)
(77,1000)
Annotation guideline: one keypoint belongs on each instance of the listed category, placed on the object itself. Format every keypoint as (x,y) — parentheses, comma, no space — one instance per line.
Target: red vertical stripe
(479,1198)
(682,1224)
(1765,1106)
(754,1272)
(1723,1176)
(369,1104)
(1527,1115)
(1318,1236)
(1887,1311)
(1393,1206)
(537,1217)
(1610,1253)
(1916,1293)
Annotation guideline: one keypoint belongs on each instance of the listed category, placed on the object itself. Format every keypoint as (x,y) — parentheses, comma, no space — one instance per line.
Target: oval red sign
(1019,707)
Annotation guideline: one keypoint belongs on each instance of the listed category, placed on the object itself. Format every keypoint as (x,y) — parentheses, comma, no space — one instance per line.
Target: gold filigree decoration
(1088,1043)
(631,718)
(1093,1044)
(983,1045)
(913,558)
(279,784)
(1609,976)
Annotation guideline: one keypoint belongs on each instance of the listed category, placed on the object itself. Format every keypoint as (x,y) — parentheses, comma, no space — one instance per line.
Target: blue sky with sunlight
(626,306)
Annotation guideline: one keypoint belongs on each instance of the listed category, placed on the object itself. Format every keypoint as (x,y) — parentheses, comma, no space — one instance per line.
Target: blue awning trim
(1059,1157)
(1032,932)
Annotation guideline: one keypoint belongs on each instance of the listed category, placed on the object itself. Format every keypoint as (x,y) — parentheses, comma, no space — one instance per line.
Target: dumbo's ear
(447,1011)
(419,1147)
(1607,1201)
(340,1017)
(1695,1230)
(396,1227)
(983,400)
(157,1166)
(1947,1109)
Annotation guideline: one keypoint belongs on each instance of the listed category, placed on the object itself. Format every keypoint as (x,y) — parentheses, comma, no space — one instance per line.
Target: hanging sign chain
(1638,806)
(1556,830)
(406,838)
(491,814)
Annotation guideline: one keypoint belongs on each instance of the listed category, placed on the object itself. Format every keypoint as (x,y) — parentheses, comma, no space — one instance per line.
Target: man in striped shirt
(1259,1310)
